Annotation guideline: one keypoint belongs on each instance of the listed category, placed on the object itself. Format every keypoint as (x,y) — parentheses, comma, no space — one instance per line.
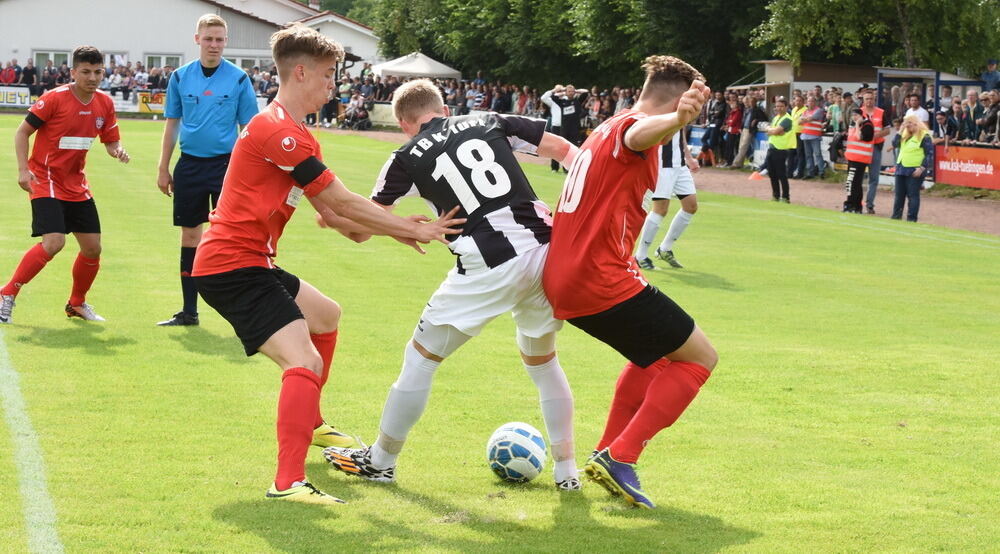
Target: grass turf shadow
(698,279)
(201,341)
(83,335)
(293,528)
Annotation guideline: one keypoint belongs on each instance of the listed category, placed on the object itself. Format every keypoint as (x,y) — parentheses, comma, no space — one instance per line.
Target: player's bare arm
(557,148)
(360,210)
(650,131)
(164,180)
(24,176)
(117,151)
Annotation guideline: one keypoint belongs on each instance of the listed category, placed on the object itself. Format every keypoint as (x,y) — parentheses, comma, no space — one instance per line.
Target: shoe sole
(310,499)
(597,473)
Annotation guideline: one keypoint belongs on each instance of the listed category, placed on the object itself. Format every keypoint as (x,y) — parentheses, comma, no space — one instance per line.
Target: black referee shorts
(256,301)
(643,328)
(197,184)
(51,215)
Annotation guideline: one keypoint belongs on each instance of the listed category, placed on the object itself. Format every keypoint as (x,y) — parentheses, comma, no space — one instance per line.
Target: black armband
(34,120)
(307,171)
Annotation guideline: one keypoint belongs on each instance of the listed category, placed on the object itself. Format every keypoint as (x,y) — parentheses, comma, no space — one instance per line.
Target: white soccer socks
(649,230)
(556,401)
(677,227)
(404,406)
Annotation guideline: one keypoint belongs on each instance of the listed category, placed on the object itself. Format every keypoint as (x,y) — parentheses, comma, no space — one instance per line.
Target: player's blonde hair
(210,20)
(416,98)
(668,77)
(298,41)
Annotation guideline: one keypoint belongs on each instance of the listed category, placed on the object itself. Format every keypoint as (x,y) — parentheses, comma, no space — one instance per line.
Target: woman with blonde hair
(914,155)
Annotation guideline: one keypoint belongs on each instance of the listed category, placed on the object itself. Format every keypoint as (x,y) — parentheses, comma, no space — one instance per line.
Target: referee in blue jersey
(206,100)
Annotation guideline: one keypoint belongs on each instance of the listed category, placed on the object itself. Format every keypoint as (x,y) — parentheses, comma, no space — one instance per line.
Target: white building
(162,33)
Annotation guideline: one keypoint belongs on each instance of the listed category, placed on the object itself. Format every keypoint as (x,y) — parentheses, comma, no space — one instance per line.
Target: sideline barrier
(139,101)
(967,166)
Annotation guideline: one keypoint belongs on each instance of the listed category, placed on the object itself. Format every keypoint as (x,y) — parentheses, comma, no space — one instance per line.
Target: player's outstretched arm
(24,176)
(164,180)
(360,210)
(557,148)
(650,131)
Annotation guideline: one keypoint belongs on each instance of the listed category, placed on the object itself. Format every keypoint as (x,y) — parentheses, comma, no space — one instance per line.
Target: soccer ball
(516,452)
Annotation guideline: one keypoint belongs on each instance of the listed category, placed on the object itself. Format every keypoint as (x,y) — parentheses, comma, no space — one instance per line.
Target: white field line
(39,512)
(928,233)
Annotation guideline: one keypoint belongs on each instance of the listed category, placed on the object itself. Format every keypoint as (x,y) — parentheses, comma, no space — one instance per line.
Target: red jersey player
(592,281)
(67,120)
(275,163)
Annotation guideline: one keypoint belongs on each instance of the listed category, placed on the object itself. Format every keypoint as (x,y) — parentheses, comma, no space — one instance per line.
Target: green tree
(948,35)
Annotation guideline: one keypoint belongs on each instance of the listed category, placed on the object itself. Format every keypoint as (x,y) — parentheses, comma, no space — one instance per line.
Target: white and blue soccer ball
(516,452)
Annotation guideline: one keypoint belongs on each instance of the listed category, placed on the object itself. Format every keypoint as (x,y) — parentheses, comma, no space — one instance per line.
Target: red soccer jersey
(590,267)
(275,161)
(66,130)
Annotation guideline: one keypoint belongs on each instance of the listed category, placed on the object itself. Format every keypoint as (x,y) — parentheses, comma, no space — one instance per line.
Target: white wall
(134,28)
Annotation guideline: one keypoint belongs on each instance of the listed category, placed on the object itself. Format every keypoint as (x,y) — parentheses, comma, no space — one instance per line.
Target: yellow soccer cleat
(326,436)
(305,493)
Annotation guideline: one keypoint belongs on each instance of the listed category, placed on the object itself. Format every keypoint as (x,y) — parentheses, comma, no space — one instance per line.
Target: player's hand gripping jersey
(275,163)
(66,130)
(467,161)
(590,267)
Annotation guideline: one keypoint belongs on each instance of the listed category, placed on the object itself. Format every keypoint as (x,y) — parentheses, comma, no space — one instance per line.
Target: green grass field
(855,406)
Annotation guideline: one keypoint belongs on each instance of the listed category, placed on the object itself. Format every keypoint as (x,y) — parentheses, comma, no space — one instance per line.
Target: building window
(58,58)
(162,60)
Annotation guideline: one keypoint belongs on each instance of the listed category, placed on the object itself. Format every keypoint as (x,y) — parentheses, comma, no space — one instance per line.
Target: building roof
(329,16)
(243,13)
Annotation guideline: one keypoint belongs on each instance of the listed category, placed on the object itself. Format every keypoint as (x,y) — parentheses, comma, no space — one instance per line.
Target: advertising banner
(967,166)
(16,97)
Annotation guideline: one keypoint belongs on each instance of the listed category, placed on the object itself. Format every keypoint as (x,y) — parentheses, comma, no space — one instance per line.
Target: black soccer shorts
(256,301)
(643,328)
(51,215)
(197,184)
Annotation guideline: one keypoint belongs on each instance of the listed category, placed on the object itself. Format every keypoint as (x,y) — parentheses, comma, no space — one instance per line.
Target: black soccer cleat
(181,318)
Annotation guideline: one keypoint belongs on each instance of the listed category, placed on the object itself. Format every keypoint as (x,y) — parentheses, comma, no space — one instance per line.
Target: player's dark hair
(87,54)
(668,76)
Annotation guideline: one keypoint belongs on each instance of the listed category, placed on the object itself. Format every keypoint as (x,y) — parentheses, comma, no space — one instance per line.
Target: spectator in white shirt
(913,101)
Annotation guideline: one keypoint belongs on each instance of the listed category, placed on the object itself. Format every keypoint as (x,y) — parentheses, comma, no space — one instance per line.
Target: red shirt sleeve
(44,108)
(296,152)
(110,131)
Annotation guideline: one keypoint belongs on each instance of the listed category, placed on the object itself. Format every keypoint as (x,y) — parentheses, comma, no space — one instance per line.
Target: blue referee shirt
(209,108)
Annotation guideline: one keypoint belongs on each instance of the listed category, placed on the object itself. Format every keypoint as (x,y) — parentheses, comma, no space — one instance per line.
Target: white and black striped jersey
(468,161)
(672,154)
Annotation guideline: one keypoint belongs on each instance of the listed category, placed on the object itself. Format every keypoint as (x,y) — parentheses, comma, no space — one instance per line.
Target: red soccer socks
(325,343)
(630,391)
(298,406)
(84,272)
(668,395)
(32,263)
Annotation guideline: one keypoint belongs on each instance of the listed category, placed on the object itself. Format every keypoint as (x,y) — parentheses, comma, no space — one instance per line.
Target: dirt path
(955,213)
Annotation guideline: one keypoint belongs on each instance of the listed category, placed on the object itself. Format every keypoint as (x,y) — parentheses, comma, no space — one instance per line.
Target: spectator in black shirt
(29,76)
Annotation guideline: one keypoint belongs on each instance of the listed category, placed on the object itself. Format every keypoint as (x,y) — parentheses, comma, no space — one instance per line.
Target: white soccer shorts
(468,302)
(674,181)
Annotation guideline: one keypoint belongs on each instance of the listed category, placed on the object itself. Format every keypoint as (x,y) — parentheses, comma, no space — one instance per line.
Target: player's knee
(536,351)
(690,204)
(313,362)
(53,244)
(92,252)
(190,236)
(328,319)
(710,358)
